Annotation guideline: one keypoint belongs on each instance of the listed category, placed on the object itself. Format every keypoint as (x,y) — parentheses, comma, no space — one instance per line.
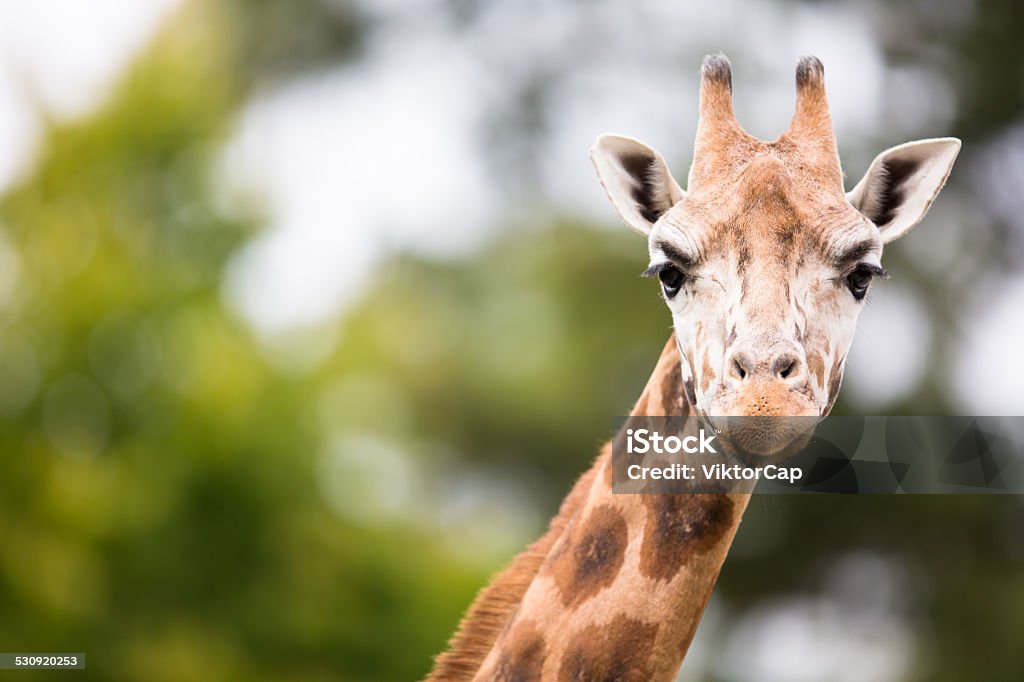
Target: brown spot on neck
(680,528)
(618,651)
(587,560)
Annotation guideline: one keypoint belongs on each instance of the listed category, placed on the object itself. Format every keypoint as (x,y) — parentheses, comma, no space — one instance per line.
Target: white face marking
(763,320)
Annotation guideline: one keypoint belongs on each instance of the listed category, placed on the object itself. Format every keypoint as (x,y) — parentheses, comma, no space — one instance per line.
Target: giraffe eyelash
(876,270)
(657,268)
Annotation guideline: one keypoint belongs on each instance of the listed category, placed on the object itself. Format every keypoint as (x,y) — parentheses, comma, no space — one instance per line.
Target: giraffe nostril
(740,366)
(787,366)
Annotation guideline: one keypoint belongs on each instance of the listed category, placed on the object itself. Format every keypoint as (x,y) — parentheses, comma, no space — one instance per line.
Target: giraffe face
(764,288)
(765,262)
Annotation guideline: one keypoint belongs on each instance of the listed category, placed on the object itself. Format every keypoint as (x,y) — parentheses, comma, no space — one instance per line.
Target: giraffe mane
(494,605)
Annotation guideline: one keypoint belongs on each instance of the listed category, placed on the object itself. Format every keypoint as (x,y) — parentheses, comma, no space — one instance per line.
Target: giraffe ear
(636,180)
(902,182)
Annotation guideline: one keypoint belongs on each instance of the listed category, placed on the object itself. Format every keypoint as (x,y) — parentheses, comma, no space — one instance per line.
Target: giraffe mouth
(767,421)
(765,440)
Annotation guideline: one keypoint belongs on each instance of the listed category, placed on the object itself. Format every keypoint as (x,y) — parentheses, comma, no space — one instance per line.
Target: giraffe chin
(766,422)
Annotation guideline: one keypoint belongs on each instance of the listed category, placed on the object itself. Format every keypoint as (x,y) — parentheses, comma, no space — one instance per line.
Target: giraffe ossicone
(764,261)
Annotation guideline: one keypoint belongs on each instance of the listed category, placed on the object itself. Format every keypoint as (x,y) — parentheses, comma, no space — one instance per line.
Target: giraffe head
(765,260)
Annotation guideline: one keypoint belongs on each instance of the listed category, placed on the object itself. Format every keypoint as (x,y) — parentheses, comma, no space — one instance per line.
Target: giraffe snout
(776,364)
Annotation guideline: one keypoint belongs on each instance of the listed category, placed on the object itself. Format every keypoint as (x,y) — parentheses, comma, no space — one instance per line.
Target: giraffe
(764,262)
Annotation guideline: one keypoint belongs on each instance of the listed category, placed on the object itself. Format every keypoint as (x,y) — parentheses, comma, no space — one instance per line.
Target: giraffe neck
(615,588)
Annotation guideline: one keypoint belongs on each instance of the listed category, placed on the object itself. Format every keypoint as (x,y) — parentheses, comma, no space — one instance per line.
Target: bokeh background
(310,312)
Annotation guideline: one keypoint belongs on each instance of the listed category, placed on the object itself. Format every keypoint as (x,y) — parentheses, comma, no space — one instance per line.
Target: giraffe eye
(859,280)
(671,280)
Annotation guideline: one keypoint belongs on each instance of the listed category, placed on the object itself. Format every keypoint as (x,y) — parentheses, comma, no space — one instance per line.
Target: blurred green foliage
(179,504)
(158,503)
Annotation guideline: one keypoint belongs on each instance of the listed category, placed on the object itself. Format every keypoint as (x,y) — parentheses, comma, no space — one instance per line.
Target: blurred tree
(275,39)
(158,505)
